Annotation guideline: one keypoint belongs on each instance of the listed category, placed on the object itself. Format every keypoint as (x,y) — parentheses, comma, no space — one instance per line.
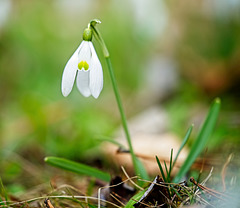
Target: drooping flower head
(85,67)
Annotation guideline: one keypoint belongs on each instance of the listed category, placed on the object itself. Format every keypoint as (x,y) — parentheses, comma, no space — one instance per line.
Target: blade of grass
(3,193)
(189,131)
(141,170)
(77,168)
(110,140)
(201,140)
(134,199)
(167,172)
(91,186)
(161,169)
(170,166)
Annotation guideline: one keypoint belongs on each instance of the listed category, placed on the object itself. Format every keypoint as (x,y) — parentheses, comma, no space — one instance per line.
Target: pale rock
(149,139)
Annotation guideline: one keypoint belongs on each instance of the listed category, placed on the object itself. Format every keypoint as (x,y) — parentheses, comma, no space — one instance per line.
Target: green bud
(87,34)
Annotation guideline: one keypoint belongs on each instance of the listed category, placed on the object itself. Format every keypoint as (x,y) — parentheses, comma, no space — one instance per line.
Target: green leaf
(183,143)
(170,166)
(141,170)
(161,169)
(201,140)
(167,172)
(134,199)
(77,168)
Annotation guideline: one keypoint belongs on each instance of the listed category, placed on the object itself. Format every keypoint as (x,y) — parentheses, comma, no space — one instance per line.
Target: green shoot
(183,143)
(201,140)
(170,166)
(134,199)
(161,169)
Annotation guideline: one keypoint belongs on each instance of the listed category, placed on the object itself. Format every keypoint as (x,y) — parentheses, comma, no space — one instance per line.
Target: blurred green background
(179,55)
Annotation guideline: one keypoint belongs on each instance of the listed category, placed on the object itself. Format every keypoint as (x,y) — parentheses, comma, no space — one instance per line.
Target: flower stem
(123,117)
(138,167)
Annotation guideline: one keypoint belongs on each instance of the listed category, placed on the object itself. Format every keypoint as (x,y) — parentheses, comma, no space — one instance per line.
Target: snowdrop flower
(85,66)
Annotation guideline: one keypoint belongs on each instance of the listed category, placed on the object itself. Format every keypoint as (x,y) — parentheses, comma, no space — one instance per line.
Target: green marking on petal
(84,65)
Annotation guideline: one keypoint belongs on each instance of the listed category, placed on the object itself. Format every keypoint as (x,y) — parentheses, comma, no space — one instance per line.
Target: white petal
(96,74)
(69,73)
(83,82)
(85,52)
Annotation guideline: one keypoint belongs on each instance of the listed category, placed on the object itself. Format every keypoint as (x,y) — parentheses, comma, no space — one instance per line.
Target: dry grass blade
(127,176)
(14,204)
(223,173)
(210,191)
